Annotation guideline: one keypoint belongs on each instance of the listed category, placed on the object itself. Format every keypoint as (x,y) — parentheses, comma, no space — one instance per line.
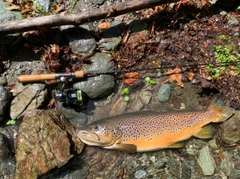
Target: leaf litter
(184,35)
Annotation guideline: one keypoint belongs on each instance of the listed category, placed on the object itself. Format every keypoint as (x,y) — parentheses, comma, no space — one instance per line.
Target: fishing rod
(78,99)
(82,74)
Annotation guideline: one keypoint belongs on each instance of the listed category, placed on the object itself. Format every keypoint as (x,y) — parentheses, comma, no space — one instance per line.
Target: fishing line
(222,64)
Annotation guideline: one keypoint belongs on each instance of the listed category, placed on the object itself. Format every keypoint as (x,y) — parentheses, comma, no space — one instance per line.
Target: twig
(41,23)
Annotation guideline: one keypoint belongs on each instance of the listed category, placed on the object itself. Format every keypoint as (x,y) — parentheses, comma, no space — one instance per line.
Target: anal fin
(205,133)
(176,145)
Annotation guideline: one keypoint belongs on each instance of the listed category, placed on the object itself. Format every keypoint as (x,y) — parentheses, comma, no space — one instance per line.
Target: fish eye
(95,127)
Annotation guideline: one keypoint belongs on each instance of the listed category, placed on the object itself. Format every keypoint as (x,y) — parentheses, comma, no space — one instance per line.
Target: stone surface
(230,163)
(230,129)
(72,115)
(6,15)
(233,21)
(101,85)
(140,174)
(5,98)
(42,6)
(206,161)
(111,37)
(139,100)
(164,93)
(7,161)
(80,40)
(118,107)
(3,80)
(46,140)
(27,97)
(10,132)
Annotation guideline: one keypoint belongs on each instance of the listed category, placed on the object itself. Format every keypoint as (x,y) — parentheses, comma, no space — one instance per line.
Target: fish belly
(164,140)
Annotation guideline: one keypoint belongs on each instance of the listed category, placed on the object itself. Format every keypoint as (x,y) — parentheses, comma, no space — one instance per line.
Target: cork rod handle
(51,76)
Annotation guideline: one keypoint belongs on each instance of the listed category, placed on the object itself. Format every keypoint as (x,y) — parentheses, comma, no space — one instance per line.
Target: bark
(40,23)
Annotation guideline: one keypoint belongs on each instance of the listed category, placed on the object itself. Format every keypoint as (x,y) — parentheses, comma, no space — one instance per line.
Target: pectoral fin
(129,148)
(205,133)
(176,145)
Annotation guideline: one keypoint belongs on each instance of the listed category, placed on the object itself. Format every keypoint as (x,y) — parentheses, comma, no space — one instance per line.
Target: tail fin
(220,110)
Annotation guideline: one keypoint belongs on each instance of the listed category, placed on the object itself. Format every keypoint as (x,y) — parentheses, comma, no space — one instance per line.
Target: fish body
(150,131)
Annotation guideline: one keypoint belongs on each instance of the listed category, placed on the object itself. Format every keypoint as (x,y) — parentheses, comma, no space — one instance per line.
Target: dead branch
(44,22)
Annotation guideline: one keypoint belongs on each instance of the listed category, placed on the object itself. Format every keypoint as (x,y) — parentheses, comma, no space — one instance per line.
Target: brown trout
(150,131)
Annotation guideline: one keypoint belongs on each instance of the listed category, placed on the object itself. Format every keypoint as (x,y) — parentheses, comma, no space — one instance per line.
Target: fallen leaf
(13,7)
(221,155)
(129,80)
(65,49)
(131,75)
(55,48)
(205,6)
(51,103)
(175,75)
(190,75)
(104,25)
(59,8)
(233,73)
(24,11)
(9,1)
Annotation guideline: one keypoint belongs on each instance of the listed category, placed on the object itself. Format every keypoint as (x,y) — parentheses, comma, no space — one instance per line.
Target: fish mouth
(90,138)
(88,135)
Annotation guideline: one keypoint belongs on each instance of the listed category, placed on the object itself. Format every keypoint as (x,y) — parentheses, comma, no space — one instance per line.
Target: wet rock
(42,6)
(1,68)
(223,13)
(118,107)
(70,172)
(206,161)
(98,162)
(178,90)
(46,140)
(72,115)
(161,163)
(232,21)
(6,15)
(75,168)
(3,80)
(27,97)
(109,44)
(228,166)
(101,85)
(137,26)
(189,96)
(213,144)
(5,98)
(139,100)
(4,147)
(7,162)
(112,36)
(140,174)
(11,133)
(164,93)
(80,40)
(178,168)
(23,68)
(230,129)
(137,85)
